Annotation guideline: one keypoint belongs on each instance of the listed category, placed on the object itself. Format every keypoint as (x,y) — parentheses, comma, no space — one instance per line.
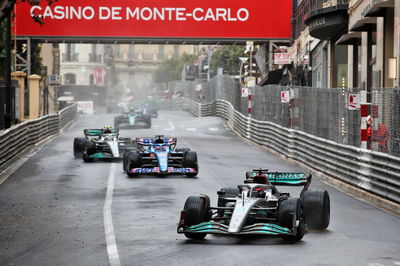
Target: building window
(117,51)
(70,54)
(176,51)
(70,78)
(161,49)
(94,56)
(132,51)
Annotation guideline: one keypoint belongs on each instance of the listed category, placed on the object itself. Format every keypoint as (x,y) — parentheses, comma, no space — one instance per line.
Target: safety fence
(328,113)
(375,172)
(16,139)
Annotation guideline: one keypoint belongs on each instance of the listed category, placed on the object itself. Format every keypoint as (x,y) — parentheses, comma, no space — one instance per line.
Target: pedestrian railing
(15,140)
(375,172)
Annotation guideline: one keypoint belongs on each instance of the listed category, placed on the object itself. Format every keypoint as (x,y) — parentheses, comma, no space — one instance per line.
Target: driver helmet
(107,129)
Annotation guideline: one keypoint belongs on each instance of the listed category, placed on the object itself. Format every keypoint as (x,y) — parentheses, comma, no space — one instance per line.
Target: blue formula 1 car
(158,155)
(258,208)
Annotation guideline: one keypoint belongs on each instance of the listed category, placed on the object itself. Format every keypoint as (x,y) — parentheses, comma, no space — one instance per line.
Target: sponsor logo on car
(157,170)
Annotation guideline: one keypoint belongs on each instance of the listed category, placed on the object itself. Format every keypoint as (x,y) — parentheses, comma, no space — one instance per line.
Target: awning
(379,9)
(365,24)
(351,38)
(65,99)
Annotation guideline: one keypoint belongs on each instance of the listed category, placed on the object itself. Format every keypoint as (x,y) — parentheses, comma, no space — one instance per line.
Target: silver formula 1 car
(258,208)
(102,143)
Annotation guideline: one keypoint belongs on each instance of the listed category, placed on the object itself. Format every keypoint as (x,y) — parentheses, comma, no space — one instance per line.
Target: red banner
(234,19)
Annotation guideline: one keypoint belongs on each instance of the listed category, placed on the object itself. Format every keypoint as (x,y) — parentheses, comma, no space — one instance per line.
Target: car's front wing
(254,229)
(156,170)
(104,155)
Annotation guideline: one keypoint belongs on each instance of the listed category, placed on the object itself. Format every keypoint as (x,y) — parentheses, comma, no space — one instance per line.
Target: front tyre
(79,146)
(132,160)
(88,150)
(190,161)
(287,208)
(198,211)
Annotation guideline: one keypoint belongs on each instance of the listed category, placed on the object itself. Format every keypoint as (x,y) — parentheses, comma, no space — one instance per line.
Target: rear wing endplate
(285,178)
(151,140)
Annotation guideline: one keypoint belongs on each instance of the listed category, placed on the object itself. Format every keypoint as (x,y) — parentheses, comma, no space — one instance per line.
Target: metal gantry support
(23,63)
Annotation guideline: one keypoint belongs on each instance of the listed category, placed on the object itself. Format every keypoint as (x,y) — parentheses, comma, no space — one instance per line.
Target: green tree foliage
(6,7)
(227,57)
(171,69)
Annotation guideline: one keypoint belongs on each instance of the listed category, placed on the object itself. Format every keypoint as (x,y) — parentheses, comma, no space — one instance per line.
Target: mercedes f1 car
(134,117)
(159,156)
(102,143)
(258,208)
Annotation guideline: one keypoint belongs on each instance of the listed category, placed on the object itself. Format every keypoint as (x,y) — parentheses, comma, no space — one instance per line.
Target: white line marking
(191,129)
(172,127)
(108,224)
(213,128)
(396,262)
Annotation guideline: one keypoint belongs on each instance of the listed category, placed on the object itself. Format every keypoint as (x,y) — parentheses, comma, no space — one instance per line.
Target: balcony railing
(74,57)
(94,58)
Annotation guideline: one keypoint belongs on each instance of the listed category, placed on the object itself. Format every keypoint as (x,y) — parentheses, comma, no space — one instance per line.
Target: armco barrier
(22,136)
(375,172)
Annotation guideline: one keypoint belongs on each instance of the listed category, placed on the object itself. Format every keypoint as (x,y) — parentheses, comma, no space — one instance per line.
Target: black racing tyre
(198,211)
(249,175)
(286,209)
(88,150)
(230,192)
(190,161)
(155,114)
(182,150)
(117,121)
(79,145)
(133,160)
(316,209)
(148,121)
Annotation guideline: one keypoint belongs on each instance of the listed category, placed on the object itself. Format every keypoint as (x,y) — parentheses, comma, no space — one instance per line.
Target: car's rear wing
(281,178)
(98,132)
(156,140)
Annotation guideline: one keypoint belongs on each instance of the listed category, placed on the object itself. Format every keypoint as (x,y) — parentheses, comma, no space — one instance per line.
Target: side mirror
(221,193)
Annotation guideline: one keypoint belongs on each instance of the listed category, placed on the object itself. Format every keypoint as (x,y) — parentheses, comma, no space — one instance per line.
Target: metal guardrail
(16,139)
(375,172)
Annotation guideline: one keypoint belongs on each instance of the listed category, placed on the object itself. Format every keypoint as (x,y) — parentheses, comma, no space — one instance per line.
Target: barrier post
(34,96)
(20,77)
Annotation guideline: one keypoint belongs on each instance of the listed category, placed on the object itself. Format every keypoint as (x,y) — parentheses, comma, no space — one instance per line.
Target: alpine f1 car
(134,117)
(258,208)
(102,143)
(159,156)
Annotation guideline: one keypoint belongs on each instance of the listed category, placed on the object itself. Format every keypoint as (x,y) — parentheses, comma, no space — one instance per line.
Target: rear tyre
(316,209)
(182,150)
(288,208)
(190,161)
(79,145)
(132,160)
(249,175)
(117,121)
(197,209)
(148,122)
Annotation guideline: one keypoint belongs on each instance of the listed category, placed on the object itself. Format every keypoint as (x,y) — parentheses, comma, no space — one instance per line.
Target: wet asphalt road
(51,209)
